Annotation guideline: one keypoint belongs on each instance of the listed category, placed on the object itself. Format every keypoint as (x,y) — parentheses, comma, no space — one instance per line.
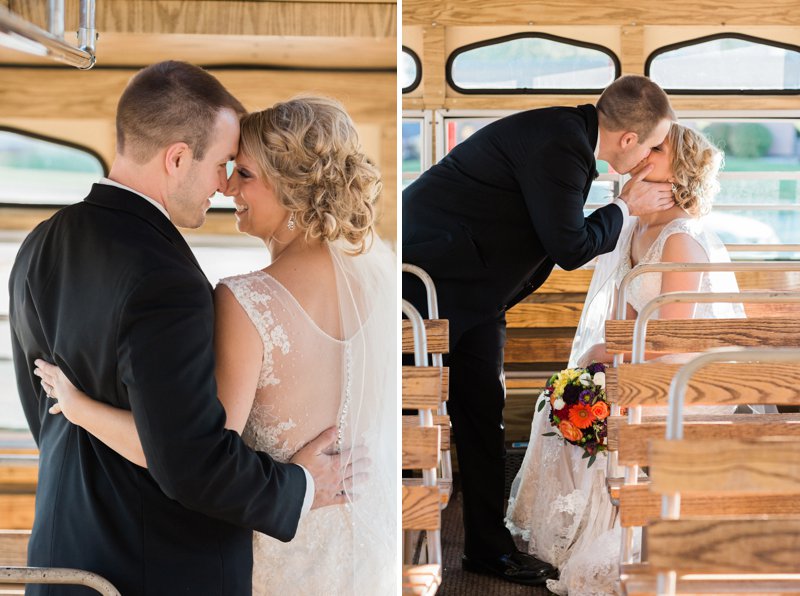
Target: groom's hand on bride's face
(333,473)
(644,197)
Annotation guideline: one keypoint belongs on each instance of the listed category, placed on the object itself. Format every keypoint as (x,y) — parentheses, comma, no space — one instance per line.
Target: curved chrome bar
(639,334)
(55,575)
(19,34)
(426,416)
(430,288)
(680,382)
(640,327)
(420,336)
(695,267)
(437,358)
(671,503)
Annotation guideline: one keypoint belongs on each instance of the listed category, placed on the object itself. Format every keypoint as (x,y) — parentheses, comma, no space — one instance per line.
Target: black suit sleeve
(553,192)
(28,387)
(166,363)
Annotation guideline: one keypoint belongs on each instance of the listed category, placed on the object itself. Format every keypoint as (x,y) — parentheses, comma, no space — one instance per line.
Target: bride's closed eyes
(243,173)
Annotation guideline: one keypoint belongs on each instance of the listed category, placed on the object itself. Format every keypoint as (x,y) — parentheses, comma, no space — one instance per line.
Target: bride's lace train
(561,508)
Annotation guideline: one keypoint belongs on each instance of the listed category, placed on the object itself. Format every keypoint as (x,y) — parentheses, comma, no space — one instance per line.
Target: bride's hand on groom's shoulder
(334,473)
(644,197)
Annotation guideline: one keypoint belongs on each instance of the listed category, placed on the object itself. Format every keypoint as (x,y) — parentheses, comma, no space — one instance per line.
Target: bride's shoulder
(684,240)
(244,285)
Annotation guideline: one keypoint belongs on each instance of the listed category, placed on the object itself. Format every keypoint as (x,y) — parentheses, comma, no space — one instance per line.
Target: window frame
(528,91)
(698,40)
(418,79)
(55,141)
(426,129)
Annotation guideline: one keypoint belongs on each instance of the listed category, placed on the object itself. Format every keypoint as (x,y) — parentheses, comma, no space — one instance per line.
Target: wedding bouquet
(579,408)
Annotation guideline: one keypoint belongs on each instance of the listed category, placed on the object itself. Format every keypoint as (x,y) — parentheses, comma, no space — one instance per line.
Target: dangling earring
(291,223)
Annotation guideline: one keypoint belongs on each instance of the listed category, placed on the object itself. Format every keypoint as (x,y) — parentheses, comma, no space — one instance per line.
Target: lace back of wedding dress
(310,381)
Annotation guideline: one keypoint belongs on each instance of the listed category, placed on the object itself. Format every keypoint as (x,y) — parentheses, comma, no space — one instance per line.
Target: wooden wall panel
(291,51)
(433,61)
(45,101)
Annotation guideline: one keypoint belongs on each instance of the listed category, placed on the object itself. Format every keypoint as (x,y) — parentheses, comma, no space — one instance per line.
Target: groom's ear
(628,140)
(177,157)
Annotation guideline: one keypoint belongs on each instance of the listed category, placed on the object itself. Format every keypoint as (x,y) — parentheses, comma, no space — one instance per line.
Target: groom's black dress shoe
(516,567)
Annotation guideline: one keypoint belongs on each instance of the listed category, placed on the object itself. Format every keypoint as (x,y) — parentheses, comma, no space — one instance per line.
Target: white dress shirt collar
(153,202)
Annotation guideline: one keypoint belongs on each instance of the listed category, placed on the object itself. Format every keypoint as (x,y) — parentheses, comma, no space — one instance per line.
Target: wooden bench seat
(421,580)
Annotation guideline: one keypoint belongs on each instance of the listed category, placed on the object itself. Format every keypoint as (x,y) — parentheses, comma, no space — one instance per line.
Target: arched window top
(38,170)
(410,70)
(725,64)
(531,63)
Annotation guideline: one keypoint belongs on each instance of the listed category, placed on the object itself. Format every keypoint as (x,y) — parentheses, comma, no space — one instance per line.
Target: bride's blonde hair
(308,150)
(695,166)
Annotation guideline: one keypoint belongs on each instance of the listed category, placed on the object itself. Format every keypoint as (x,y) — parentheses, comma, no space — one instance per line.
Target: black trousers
(477,398)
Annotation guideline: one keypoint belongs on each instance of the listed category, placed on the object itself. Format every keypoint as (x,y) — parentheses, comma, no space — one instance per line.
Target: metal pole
(53,575)
(55,18)
(87,34)
(19,34)
(436,359)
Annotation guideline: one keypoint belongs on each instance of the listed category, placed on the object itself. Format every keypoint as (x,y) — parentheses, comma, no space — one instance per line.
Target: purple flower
(596,368)
(586,396)
(571,394)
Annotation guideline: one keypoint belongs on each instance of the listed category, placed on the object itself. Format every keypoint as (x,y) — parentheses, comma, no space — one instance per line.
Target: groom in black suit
(109,290)
(488,223)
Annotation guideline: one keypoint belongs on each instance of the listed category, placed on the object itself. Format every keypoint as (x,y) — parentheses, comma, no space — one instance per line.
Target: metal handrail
(426,416)
(57,575)
(639,334)
(622,299)
(671,503)
(19,459)
(437,358)
(27,37)
(697,267)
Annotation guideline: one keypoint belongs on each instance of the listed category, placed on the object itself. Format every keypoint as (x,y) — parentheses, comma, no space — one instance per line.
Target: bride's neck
(661,217)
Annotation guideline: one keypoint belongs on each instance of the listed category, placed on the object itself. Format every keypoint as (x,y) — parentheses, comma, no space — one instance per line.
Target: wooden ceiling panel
(599,12)
(228,17)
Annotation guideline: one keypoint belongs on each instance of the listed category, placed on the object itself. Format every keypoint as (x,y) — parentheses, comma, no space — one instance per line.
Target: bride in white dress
(304,344)
(558,505)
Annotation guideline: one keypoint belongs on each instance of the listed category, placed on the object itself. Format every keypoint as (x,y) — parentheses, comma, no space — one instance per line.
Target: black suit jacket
(109,291)
(490,220)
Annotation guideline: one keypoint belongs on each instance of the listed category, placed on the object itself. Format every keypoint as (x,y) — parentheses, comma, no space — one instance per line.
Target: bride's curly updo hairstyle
(307,148)
(695,165)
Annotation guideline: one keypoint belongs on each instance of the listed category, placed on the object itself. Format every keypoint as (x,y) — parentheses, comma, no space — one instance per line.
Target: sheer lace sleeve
(254,295)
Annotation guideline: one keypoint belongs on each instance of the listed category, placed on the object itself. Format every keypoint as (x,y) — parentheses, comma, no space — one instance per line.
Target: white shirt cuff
(623,206)
(308,501)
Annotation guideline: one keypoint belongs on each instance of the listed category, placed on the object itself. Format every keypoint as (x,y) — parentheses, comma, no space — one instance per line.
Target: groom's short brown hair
(634,103)
(170,102)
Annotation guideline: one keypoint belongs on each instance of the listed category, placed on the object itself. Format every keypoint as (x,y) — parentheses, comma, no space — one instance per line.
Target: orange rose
(600,410)
(581,415)
(569,431)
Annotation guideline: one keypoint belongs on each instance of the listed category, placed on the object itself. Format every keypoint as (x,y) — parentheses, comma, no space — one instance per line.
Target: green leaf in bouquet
(541,405)
(549,435)
(585,455)
(591,461)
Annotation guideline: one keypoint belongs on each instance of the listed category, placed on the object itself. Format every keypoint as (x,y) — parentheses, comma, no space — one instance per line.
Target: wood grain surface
(725,546)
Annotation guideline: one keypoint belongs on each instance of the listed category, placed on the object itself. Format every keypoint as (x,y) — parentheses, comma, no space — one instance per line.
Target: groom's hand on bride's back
(644,197)
(333,473)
